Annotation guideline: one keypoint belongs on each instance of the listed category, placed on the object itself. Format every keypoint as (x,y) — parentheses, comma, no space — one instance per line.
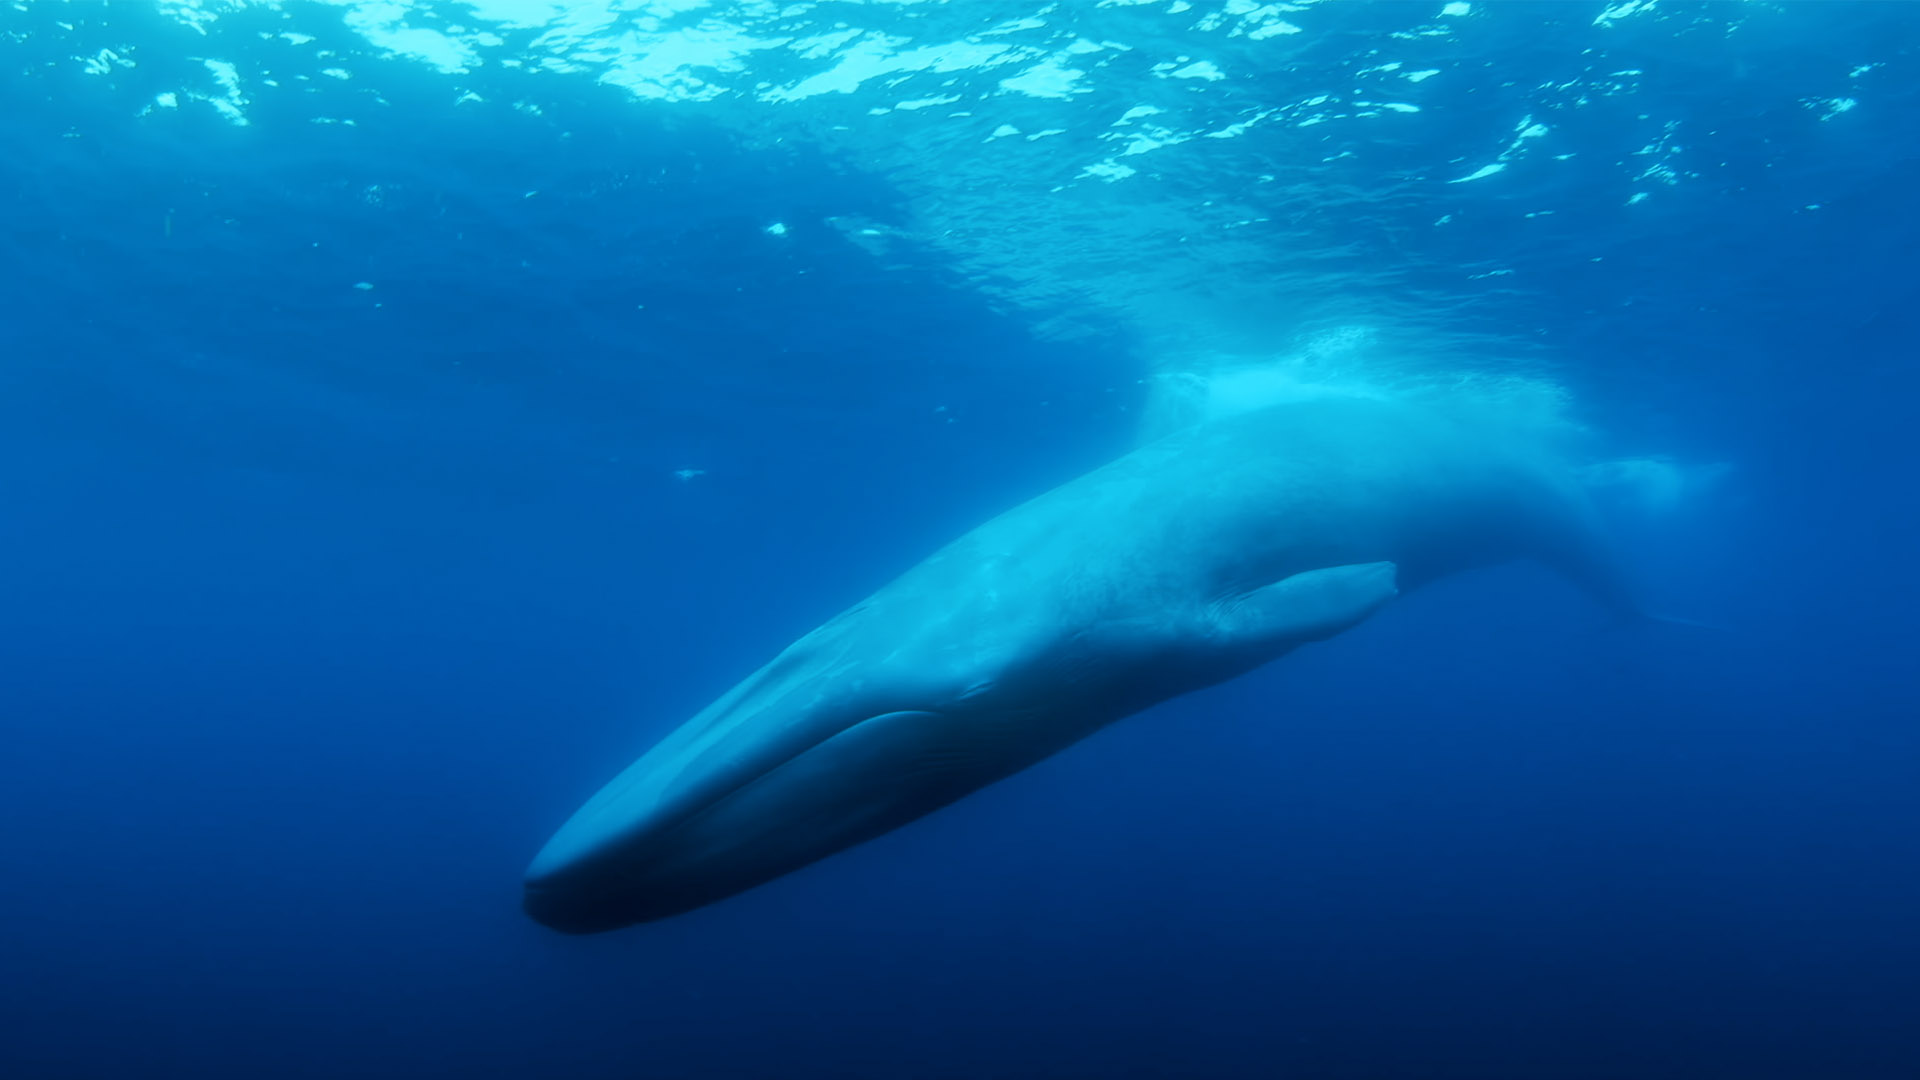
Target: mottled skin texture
(1188,562)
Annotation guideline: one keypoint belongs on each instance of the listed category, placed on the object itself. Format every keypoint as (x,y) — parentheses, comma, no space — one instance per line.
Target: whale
(1193,559)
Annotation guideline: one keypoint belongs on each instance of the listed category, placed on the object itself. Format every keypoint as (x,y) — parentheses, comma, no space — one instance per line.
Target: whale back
(1223,508)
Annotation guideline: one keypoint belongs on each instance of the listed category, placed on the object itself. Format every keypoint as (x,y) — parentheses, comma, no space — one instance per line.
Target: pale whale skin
(1185,563)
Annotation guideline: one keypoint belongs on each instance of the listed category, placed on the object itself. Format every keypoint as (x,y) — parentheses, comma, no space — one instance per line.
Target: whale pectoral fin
(1310,606)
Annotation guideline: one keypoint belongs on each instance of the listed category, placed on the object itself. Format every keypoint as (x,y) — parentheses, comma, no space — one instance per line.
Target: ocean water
(410,412)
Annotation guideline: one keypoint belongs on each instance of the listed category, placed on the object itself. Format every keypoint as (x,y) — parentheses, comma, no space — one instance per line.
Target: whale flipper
(1310,606)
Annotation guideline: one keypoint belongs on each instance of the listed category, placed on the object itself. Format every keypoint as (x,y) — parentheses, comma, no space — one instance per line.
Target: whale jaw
(608,868)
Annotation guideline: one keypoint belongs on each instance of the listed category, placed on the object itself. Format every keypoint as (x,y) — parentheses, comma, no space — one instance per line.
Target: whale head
(687,825)
(815,753)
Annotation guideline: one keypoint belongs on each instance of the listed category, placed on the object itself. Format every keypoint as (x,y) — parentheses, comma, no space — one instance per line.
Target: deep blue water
(325,605)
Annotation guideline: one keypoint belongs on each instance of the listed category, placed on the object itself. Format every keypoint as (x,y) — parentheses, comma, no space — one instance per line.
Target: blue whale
(1189,561)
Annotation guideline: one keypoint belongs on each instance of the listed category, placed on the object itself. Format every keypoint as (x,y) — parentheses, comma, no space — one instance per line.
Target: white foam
(1350,362)
(1047,79)
(1199,69)
(1481,173)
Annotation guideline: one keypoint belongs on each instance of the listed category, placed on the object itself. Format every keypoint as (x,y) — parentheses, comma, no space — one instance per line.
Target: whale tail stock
(1645,492)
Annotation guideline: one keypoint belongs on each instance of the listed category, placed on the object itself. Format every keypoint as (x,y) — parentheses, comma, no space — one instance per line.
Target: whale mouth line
(661,832)
(708,806)
(645,872)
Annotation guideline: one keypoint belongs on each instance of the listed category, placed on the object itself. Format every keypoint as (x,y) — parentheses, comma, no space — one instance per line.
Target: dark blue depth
(319,616)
